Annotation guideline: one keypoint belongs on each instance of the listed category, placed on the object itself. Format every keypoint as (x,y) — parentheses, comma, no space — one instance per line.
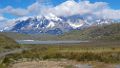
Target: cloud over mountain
(32,10)
(2,18)
(100,9)
(68,8)
(14,11)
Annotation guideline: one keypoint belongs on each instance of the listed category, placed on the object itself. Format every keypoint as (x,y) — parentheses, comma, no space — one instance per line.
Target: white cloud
(19,12)
(2,18)
(108,13)
(67,8)
(14,11)
(70,7)
(34,8)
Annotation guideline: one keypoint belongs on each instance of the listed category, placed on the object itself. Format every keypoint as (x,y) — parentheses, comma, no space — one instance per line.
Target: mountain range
(59,20)
(52,24)
(67,16)
(107,32)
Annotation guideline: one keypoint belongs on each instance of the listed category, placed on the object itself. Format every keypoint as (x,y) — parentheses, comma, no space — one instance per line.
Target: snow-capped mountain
(53,24)
(67,16)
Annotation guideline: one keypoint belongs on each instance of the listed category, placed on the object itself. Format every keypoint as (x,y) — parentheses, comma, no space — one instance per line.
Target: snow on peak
(51,16)
(76,24)
(69,3)
(23,18)
(51,25)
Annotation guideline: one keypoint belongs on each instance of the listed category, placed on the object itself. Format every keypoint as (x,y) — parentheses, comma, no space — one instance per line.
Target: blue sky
(115,4)
(12,10)
(23,4)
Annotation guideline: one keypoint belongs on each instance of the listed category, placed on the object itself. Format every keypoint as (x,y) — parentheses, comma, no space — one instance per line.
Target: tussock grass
(79,52)
(7,43)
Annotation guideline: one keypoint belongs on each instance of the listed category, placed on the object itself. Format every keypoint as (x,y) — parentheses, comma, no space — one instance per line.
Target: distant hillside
(19,36)
(101,32)
(16,36)
(7,43)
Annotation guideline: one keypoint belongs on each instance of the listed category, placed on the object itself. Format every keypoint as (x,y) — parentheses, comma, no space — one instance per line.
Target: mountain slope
(104,32)
(49,24)
(67,16)
(55,25)
(20,36)
(7,43)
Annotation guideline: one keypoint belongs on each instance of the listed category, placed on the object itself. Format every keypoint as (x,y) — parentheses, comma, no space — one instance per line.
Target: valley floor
(83,55)
(63,64)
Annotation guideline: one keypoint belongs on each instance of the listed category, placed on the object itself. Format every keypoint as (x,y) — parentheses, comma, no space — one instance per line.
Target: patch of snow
(50,25)
(51,16)
(76,24)
(23,18)
(37,26)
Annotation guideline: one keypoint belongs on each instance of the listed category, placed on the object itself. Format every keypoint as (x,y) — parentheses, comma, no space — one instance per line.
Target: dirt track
(12,52)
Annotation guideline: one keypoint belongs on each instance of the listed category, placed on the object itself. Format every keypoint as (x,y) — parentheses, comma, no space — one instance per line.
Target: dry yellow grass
(62,64)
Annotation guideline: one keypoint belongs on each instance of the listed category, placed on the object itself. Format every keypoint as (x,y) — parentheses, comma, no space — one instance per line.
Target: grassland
(104,46)
(7,43)
(109,32)
(83,52)
(96,51)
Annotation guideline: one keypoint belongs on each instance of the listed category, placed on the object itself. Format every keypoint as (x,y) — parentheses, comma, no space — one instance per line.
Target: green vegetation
(84,52)
(19,36)
(2,66)
(109,32)
(69,66)
(7,43)
(103,46)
